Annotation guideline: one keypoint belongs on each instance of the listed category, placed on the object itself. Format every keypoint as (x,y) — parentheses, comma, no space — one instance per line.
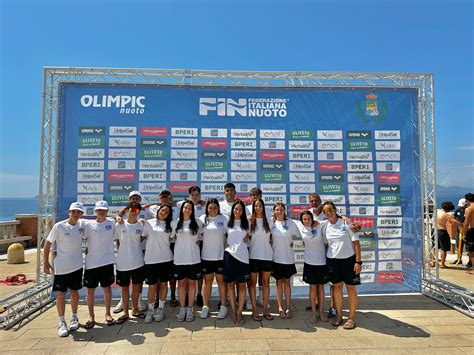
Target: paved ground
(389,324)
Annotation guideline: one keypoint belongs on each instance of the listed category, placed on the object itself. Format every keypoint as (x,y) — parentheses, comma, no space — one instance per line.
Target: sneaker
(142,306)
(149,316)
(160,314)
(332,313)
(189,314)
(199,300)
(74,324)
(182,314)
(62,329)
(118,307)
(222,312)
(204,312)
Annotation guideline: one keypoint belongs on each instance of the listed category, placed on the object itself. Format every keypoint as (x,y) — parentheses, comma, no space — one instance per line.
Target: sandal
(174,302)
(323,317)
(256,317)
(240,319)
(122,319)
(89,324)
(110,322)
(268,316)
(350,324)
(313,320)
(282,314)
(234,317)
(337,322)
(140,315)
(289,314)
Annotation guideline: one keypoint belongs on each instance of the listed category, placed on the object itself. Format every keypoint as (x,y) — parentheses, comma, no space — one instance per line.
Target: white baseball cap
(77,206)
(462,202)
(101,205)
(135,193)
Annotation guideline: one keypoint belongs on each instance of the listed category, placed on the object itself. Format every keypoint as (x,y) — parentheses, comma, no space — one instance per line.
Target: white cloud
(465,147)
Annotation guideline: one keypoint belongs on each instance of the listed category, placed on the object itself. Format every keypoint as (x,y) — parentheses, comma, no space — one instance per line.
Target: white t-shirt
(153,210)
(226,208)
(199,210)
(100,243)
(320,218)
(186,249)
(282,236)
(129,254)
(213,237)
(157,242)
(260,247)
(68,240)
(314,244)
(144,214)
(268,211)
(339,238)
(236,245)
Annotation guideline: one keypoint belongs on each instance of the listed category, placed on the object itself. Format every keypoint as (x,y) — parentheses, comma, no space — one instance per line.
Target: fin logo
(223,107)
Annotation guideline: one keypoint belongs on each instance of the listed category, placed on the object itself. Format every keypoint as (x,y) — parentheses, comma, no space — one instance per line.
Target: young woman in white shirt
(158,260)
(100,259)
(130,260)
(214,231)
(236,258)
(343,260)
(315,271)
(283,232)
(261,256)
(187,259)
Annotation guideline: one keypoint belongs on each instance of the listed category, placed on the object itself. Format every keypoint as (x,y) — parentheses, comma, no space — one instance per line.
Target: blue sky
(368,36)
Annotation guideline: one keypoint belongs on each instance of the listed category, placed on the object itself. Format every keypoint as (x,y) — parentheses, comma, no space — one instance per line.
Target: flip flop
(110,322)
(289,314)
(313,320)
(122,319)
(140,315)
(338,322)
(282,314)
(350,324)
(323,317)
(240,319)
(89,324)
(256,317)
(268,316)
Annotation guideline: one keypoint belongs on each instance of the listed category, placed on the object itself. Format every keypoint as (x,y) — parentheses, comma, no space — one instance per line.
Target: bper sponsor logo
(243,144)
(361,188)
(152,176)
(278,166)
(389,221)
(126,104)
(122,131)
(329,134)
(359,134)
(351,177)
(184,132)
(360,166)
(323,177)
(272,199)
(212,187)
(90,165)
(92,130)
(305,156)
(368,267)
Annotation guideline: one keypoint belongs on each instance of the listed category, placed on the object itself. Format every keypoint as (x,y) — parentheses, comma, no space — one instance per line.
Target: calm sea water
(11,206)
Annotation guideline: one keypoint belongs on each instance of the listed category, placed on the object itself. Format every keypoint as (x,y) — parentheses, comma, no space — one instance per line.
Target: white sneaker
(118,307)
(222,312)
(74,324)
(189,314)
(182,314)
(142,306)
(62,329)
(160,314)
(149,316)
(204,312)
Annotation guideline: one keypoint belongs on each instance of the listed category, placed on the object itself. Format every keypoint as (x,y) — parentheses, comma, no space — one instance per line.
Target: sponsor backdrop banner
(355,146)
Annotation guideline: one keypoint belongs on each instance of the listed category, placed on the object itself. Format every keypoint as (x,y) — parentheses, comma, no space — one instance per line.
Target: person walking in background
(67,268)
(468,228)
(444,240)
(459,215)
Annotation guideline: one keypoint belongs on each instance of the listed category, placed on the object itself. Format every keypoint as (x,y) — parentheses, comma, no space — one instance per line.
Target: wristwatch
(359,262)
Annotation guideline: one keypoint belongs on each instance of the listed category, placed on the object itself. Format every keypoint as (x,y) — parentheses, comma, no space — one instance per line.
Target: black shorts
(283,271)
(103,275)
(235,270)
(172,247)
(212,266)
(72,281)
(342,270)
(470,240)
(137,276)
(192,271)
(159,271)
(315,274)
(444,240)
(257,265)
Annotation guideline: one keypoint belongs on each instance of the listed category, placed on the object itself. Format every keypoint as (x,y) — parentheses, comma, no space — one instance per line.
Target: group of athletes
(193,242)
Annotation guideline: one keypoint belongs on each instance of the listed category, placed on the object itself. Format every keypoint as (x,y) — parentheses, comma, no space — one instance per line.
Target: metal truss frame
(452,295)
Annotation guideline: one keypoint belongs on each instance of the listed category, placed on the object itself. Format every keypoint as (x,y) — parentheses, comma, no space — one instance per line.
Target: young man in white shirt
(100,259)
(226,205)
(67,268)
